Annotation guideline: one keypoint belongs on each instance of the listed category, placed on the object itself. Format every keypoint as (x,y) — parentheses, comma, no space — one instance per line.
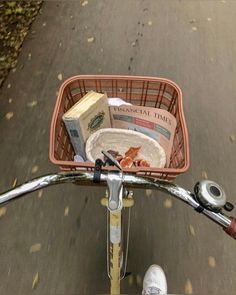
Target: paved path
(190,42)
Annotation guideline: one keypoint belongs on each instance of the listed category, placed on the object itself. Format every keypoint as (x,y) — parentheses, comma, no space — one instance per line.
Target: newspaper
(156,123)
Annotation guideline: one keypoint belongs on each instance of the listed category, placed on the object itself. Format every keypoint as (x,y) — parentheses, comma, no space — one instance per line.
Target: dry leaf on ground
(192,230)
(232,138)
(188,289)
(34,169)
(14,183)
(211,261)
(35,248)
(35,280)
(168,203)
(204,175)
(32,103)
(84,3)
(66,212)
(40,193)
(148,192)
(3,211)
(90,39)
(9,115)
(59,77)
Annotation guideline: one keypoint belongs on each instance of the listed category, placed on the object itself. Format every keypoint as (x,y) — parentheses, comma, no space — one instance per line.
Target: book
(88,115)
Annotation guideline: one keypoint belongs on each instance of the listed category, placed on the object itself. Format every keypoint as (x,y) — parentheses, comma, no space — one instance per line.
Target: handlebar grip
(231,229)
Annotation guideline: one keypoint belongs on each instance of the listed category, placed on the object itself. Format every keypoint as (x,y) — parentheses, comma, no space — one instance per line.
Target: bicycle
(208,197)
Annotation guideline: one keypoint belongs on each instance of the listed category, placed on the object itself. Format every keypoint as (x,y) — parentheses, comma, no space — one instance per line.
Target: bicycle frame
(114,243)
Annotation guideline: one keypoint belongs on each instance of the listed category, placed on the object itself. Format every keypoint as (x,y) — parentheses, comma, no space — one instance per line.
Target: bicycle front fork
(117,252)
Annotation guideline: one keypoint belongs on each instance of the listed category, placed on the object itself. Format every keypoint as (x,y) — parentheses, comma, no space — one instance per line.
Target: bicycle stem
(131,181)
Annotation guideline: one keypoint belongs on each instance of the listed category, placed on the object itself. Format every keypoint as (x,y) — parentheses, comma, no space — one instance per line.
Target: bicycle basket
(143,91)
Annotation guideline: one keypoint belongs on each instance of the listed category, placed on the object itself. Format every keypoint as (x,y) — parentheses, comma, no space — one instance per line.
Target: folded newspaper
(156,123)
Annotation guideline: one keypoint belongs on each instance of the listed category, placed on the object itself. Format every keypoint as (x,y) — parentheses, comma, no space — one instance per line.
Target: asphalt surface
(191,42)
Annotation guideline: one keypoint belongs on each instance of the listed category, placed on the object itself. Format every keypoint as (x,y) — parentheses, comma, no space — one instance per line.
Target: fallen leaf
(204,175)
(150,23)
(194,28)
(209,19)
(90,39)
(192,21)
(139,280)
(66,212)
(131,280)
(59,77)
(188,289)
(34,169)
(18,10)
(8,85)
(148,192)
(84,3)
(35,280)
(35,248)
(232,138)
(11,4)
(192,230)
(9,115)
(37,73)
(29,56)
(9,271)
(168,203)
(32,103)
(3,211)
(10,100)
(211,261)
(44,24)
(14,183)
(40,193)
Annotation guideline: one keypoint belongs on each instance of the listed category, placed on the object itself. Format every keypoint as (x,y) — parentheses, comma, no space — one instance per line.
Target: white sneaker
(154,281)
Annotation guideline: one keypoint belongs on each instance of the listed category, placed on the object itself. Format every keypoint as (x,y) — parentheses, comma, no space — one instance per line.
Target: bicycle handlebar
(132,181)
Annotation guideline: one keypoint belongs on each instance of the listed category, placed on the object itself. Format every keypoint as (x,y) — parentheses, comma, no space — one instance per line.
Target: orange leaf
(132,152)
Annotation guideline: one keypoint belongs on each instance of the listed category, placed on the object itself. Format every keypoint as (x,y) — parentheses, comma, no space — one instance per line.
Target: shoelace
(152,291)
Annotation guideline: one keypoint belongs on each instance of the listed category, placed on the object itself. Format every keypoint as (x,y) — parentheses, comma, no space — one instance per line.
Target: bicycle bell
(210,195)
